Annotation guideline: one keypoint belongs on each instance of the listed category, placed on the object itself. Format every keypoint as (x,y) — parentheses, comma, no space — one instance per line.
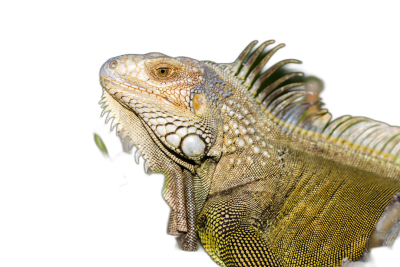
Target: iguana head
(176,98)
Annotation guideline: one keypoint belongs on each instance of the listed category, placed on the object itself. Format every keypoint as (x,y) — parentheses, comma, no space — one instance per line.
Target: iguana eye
(113,64)
(163,72)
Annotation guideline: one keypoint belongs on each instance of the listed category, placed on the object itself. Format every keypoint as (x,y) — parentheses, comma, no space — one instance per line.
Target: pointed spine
(245,70)
(265,104)
(309,120)
(130,144)
(297,116)
(390,144)
(256,86)
(355,129)
(109,116)
(285,113)
(104,111)
(321,123)
(257,69)
(274,85)
(390,134)
(114,124)
(341,129)
(332,126)
(395,149)
(362,127)
(376,136)
(285,100)
(119,129)
(102,99)
(137,155)
(241,57)
(365,134)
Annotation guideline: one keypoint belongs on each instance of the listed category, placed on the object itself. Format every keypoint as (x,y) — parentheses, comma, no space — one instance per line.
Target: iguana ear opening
(198,104)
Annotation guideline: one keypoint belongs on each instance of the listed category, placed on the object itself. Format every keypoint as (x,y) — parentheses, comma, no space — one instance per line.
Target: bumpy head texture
(176,97)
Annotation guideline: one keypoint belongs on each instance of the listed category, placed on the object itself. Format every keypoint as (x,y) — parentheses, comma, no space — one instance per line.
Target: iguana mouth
(117,87)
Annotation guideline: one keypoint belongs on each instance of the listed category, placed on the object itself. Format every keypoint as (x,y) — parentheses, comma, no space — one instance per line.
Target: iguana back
(260,174)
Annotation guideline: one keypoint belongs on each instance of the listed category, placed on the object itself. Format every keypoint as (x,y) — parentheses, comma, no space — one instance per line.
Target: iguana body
(260,177)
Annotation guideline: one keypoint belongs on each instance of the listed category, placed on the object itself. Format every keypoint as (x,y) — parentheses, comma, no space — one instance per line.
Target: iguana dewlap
(259,174)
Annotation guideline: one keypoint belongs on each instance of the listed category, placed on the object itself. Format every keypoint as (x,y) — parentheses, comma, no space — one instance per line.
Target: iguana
(252,169)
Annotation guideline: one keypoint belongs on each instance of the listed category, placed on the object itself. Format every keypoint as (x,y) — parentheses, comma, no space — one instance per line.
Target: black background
(115,211)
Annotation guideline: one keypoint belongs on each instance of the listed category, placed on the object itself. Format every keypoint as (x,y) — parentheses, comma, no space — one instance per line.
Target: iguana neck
(252,146)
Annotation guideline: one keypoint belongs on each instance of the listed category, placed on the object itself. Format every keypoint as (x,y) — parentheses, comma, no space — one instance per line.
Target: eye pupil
(163,72)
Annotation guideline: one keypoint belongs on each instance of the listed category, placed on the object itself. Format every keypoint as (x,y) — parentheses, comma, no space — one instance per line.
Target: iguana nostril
(113,64)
